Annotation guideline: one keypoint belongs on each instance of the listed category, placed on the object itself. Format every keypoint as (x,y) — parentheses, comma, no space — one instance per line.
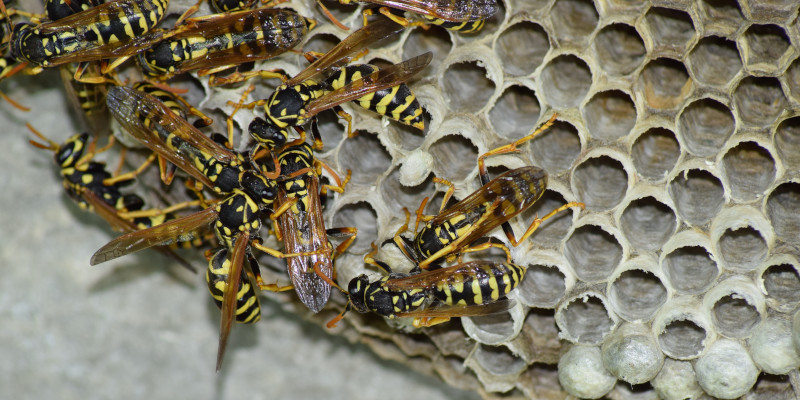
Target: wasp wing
(503,198)
(381,79)
(446,311)
(303,232)
(144,109)
(355,42)
(432,278)
(448,10)
(249,45)
(166,233)
(229,302)
(109,214)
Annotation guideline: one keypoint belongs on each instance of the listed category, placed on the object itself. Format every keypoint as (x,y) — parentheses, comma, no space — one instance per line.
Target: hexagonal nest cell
(679,130)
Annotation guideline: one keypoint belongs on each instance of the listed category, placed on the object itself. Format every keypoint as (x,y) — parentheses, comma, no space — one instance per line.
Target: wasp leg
(128,175)
(351,234)
(450,190)
(279,254)
(152,212)
(237,77)
(484,246)
(424,322)
(538,221)
(510,148)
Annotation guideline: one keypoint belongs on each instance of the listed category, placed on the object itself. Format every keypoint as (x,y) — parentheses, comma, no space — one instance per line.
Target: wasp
(454,229)
(248,308)
(181,108)
(472,288)
(218,42)
(93,188)
(236,219)
(301,225)
(303,96)
(464,16)
(109,30)
(58,9)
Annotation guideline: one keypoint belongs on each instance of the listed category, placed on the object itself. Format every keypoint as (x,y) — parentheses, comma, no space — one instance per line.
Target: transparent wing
(154,236)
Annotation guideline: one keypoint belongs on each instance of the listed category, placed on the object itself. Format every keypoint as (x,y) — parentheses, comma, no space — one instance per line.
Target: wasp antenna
(327,280)
(332,323)
(331,17)
(51,145)
(14,103)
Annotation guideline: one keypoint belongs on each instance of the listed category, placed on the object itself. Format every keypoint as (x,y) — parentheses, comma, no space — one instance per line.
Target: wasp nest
(677,128)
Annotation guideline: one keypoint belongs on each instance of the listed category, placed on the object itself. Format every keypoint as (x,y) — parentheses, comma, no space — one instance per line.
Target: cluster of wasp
(276,179)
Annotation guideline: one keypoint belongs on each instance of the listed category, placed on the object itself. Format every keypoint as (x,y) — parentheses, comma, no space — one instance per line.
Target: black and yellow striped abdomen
(397,102)
(226,39)
(90,35)
(479,282)
(248,308)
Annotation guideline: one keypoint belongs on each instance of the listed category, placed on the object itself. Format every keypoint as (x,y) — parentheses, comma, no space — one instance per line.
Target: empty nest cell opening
(364,154)
(566,81)
(558,148)
(690,270)
(671,29)
(765,45)
(655,153)
(705,126)
(362,216)
(715,61)
(610,115)
(600,182)
(782,206)
(749,169)
(637,295)
(585,320)
(619,49)
(573,20)
(466,86)
(522,47)
(454,157)
(742,249)
(664,83)
(543,286)
(698,195)
(782,283)
(734,316)
(683,338)
(648,223)
(759,100)
(515,113)
(593,253)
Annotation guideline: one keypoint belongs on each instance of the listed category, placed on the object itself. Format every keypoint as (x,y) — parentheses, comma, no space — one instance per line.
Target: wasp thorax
(258,187)
(156,60)
(285,105)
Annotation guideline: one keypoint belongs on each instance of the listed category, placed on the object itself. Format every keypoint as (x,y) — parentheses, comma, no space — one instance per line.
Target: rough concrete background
(134,328)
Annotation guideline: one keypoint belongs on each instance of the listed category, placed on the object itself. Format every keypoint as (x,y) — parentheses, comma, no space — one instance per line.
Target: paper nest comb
(677,127)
